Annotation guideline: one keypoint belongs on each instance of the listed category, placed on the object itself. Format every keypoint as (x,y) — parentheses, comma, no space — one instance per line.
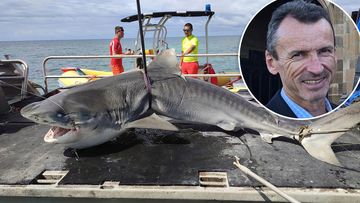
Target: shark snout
(30,110)
(46,113)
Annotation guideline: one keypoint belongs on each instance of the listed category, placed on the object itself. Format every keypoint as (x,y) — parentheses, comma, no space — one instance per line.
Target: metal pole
(141,35)
(263,181)
(207,38)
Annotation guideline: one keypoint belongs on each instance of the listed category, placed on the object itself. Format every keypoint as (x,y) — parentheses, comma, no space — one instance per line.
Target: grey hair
(300,10)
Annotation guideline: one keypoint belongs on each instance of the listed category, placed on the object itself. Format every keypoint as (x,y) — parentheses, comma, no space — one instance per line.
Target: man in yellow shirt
(190,45)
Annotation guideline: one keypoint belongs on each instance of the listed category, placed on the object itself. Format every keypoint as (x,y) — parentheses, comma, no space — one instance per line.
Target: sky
(95,19)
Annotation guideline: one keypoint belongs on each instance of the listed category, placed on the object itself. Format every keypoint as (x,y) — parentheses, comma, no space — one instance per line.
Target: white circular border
(286,117)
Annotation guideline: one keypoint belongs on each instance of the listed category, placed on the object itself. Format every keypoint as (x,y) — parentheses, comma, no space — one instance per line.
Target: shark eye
(59,115)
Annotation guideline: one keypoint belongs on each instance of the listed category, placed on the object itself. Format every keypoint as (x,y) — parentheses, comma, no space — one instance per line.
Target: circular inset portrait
(298,58)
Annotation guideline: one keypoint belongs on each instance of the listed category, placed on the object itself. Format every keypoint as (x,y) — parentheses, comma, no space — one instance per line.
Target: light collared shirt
(298,110)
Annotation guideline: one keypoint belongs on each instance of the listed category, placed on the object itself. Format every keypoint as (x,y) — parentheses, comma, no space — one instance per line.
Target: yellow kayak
(219,80)
(74,72)
(225,81)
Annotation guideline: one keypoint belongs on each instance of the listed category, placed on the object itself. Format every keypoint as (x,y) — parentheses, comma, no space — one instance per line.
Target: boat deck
(146,157)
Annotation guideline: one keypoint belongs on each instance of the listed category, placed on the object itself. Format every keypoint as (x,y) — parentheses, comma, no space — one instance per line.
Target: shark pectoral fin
(153,121)
(319,146)
(228,126)
(267,137)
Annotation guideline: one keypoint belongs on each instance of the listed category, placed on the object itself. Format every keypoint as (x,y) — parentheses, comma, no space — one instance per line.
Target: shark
(98,111)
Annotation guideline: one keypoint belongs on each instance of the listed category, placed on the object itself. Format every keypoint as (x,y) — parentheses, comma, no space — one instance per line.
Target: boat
(14,82)
(144,165)
(192,165)
(154,25)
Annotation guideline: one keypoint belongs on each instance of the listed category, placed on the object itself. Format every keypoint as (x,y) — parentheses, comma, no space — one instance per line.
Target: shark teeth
(56,132)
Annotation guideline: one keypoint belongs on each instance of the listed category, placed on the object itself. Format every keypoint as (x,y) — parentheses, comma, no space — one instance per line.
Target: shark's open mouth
(55,132)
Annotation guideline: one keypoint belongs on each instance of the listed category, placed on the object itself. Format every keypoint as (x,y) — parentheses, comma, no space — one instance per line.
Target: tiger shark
(96,112)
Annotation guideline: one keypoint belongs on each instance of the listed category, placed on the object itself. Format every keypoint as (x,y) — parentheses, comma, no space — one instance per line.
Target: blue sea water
(34,52)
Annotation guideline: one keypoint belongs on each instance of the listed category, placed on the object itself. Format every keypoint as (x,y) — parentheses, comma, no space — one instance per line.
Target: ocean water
(34,53)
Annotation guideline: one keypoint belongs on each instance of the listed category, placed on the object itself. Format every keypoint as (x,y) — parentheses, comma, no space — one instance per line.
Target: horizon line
(29,40)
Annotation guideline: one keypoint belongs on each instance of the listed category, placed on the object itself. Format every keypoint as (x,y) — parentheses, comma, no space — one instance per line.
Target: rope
(146,77)
(148,86)
(263,181)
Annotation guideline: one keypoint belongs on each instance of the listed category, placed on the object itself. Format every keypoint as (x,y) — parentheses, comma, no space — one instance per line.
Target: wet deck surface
(154,157)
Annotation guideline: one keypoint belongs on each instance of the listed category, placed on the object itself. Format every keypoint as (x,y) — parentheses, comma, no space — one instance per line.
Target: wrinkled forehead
(293,34)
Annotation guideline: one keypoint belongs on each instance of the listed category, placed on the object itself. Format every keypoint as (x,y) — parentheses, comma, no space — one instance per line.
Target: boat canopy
(154,27)
(169,13)
(155,23)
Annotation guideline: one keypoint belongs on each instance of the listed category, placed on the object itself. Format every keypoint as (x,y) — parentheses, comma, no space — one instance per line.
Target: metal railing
(46,76)
(24,71)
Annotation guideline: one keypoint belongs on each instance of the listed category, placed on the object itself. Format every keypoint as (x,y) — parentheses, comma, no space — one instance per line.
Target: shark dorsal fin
(154,122)
(166,62)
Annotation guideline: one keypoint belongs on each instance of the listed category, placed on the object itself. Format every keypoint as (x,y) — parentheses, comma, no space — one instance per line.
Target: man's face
(306,59)
(187,31)
(120,34)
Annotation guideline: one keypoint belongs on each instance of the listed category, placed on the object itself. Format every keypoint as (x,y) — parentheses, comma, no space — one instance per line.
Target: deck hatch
(213,179)
(49,177)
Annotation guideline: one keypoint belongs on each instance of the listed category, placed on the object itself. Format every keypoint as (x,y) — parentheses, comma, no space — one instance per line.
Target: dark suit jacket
(278,105)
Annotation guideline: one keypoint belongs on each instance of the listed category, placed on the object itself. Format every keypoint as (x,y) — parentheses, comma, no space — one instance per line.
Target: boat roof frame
(159,28)
(133,18)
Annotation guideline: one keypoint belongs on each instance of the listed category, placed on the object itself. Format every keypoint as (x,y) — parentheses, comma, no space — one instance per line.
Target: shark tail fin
(319,146)
(324,131)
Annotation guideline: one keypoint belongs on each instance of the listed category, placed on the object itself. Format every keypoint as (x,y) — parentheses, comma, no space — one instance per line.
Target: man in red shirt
(115,49)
